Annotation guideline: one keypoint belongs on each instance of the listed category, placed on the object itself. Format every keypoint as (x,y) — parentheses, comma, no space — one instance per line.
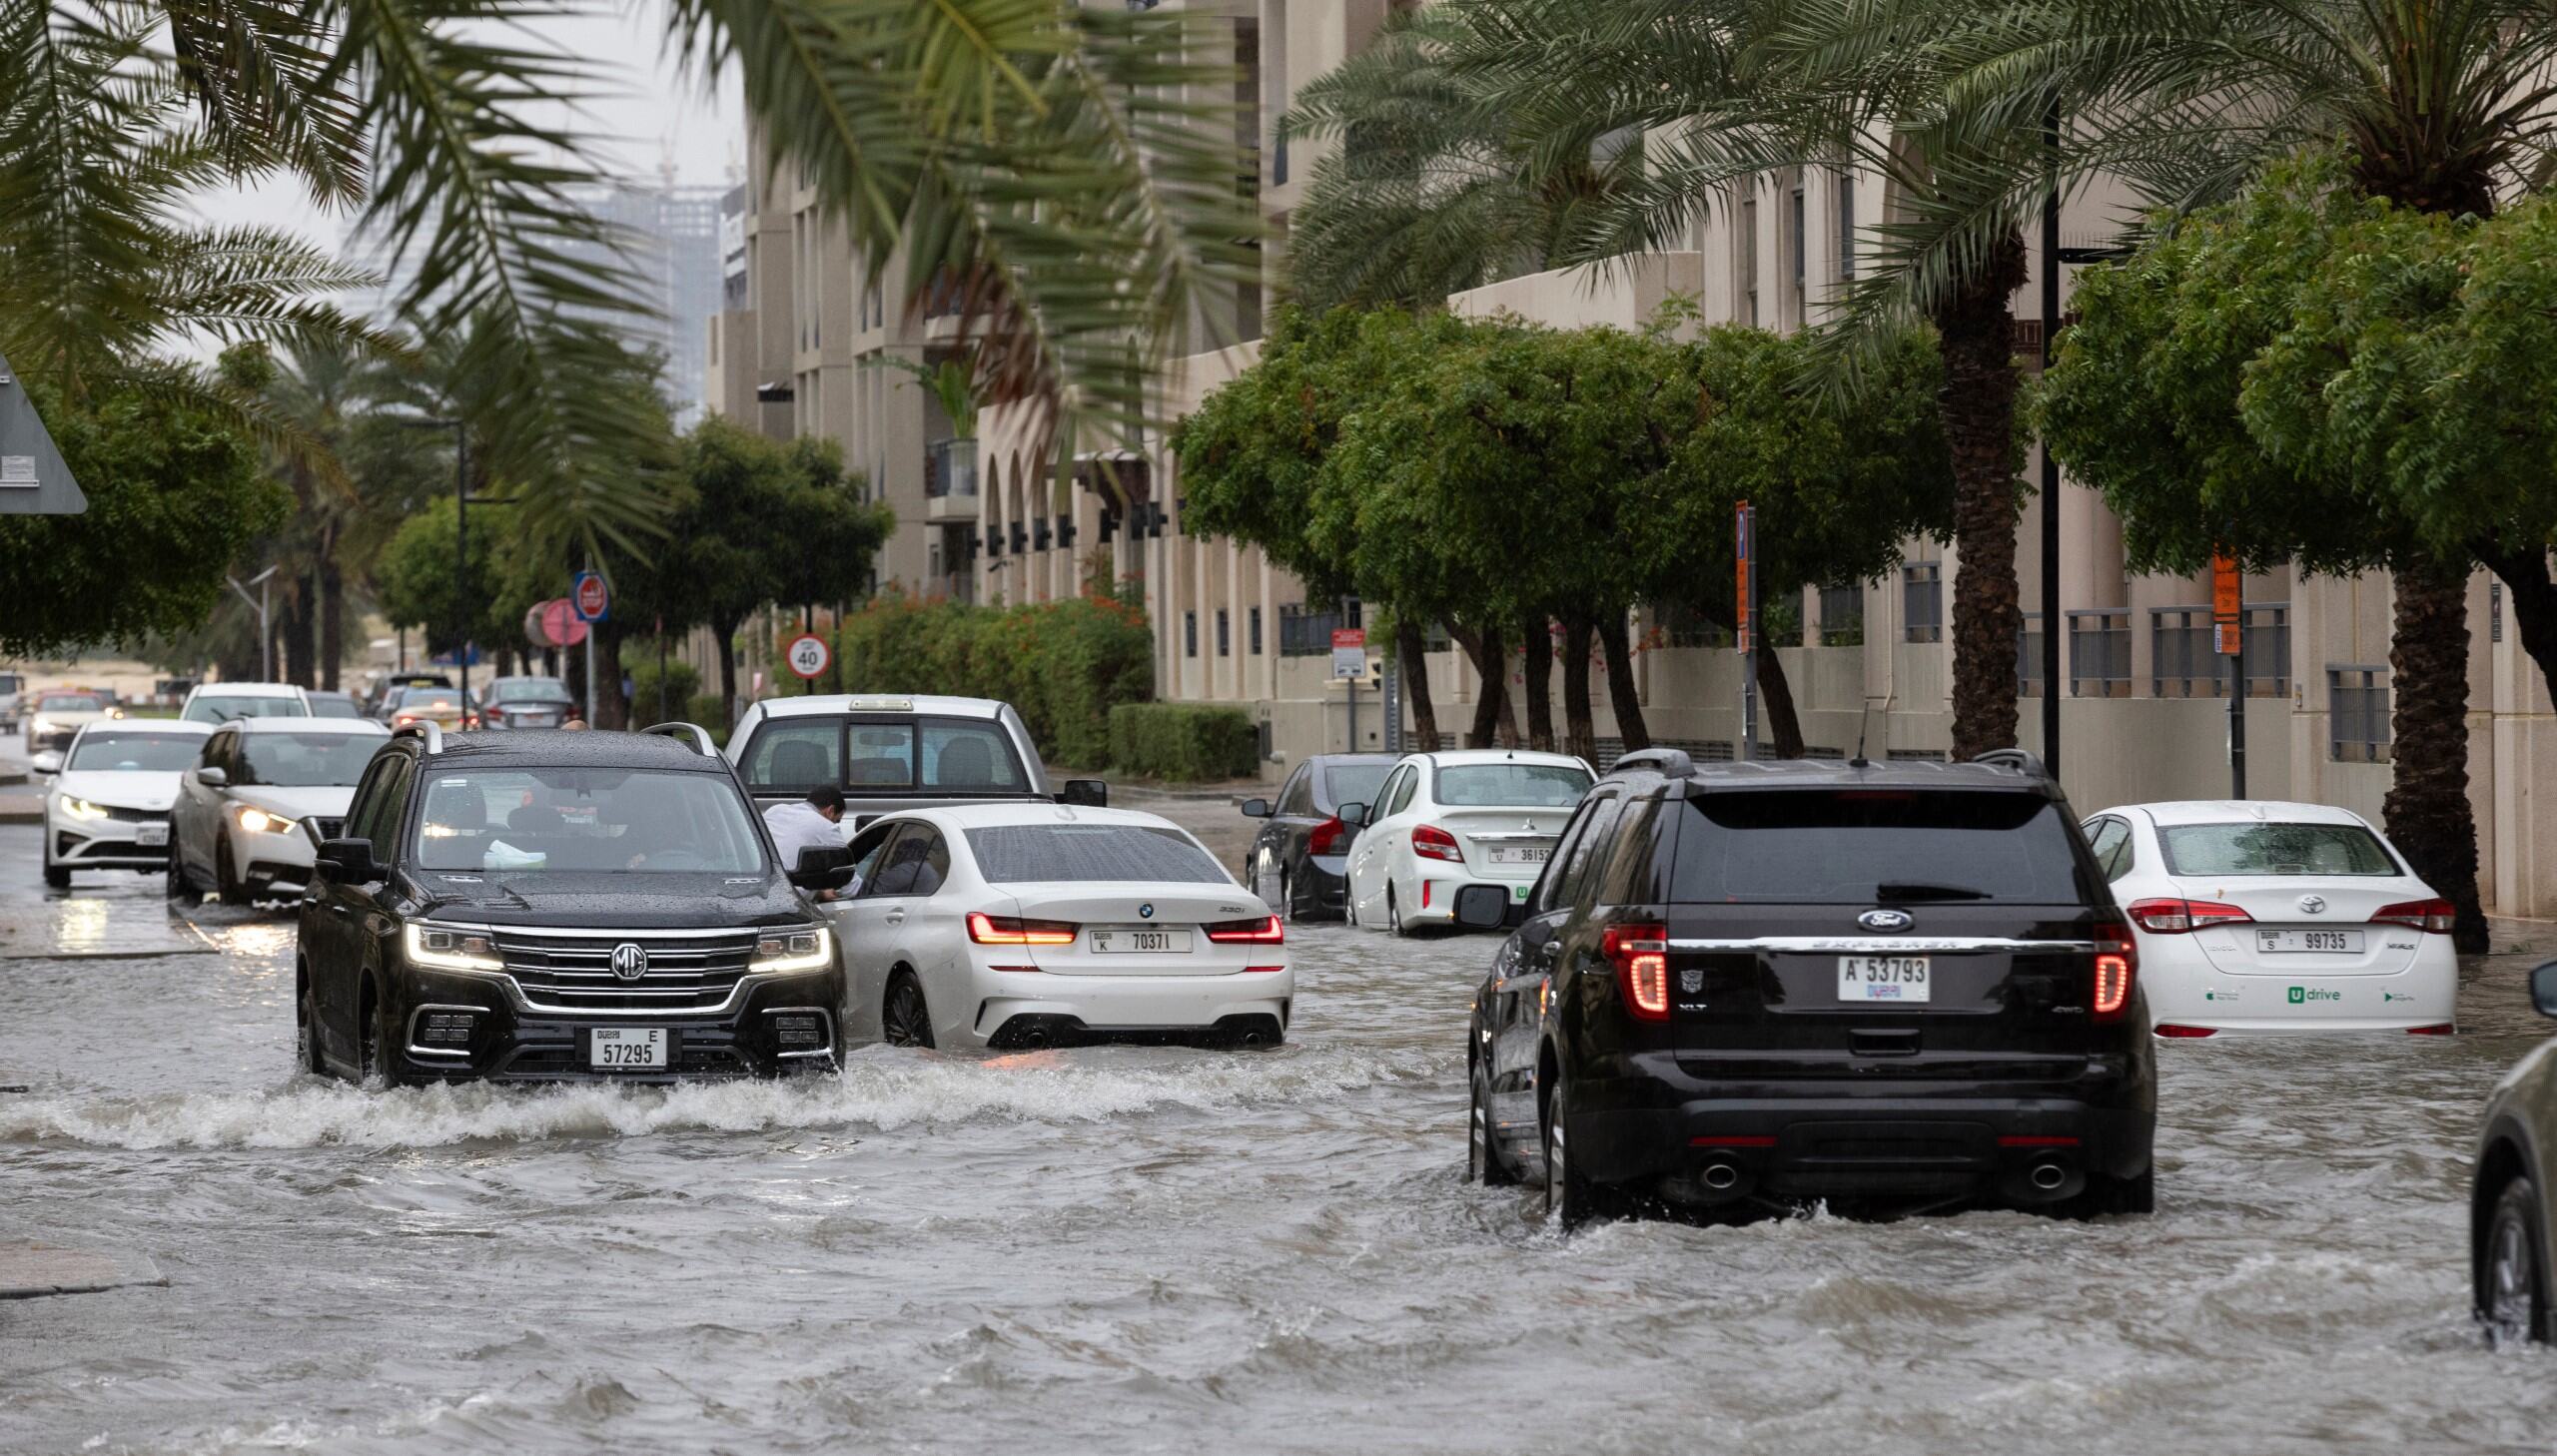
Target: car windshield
(1512,785)
(135,751)
(528,690)
(1875,847)
(305,760)
(1355,783)
(957,755)
(71,703)
(1011,854)
(584,820)
(334,705)
(432,700)
(2273,849)
(223,707)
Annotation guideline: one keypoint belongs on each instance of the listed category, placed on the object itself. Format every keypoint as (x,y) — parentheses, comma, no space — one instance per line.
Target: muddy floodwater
(1137,1251)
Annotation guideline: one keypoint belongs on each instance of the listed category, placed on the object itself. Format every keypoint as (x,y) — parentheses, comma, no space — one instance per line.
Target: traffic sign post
(2228,633)
(1745,558)
(1348,665)
(592,596)
(806,657)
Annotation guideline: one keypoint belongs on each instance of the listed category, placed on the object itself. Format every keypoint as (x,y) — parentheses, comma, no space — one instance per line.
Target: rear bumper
(1849,1138)
(763,1036)
(2269,998)
(1127,1006)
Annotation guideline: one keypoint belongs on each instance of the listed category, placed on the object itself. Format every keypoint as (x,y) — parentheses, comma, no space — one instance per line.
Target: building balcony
(950,481)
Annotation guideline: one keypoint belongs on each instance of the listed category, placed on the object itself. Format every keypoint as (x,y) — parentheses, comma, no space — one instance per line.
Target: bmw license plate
(626,1049)
(1136,940)
(152,836)
(2277,942)
(1883,978)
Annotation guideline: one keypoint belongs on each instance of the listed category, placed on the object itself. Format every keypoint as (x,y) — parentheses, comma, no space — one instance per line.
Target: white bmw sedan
(1020,925)
(108,804)
(1443,821)
(2262,917)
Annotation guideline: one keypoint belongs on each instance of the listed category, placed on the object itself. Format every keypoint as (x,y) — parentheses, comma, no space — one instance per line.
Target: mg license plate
(1138,940)
(2281,942)
(151,836)
(1883,978)
(626,1049)
(1522,855)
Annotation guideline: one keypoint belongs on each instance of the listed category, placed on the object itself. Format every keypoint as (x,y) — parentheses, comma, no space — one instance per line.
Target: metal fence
(2028,657)
(2185,661)
(1309,634)
(2099,652)
(2358,713)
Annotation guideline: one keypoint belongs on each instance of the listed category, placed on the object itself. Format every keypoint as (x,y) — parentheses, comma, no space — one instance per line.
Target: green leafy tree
(423,586)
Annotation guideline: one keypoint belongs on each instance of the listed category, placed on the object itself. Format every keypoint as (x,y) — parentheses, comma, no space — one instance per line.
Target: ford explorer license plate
(1125,940)
(626,1049)
(1882,978)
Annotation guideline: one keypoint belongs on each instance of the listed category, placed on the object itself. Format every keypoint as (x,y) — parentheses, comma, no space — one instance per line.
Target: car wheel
(226,875)
(55,877)
(1570,1200)
(1394,912)
(178,886)
(305,1034)
(1482,1154)
(2512,1288)
(2106,1196)
(905,1019)
(1288,899)
(380,1037)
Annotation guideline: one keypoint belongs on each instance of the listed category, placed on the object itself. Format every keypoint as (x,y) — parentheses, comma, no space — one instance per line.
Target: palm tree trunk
(605,643)
(1411,655)
(333,620)
(1977,404)
(1776,702)
(1482,647)
(1580,730)
(727,634)
(1621,694)
(297,611)
(1536,674)
(2428,814)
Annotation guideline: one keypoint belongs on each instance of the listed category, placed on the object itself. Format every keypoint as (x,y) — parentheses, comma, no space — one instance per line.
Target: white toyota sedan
(107,807)
(1019,924)
(244,822)
(1443,821)
(2262,917)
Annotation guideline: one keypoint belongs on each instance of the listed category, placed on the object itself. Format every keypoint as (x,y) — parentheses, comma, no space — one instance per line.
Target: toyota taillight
(1433,843)
(2434,917)
(1264,932)
(2117,964)
(1640,954)
(2176,917)
(1325,838)
(1002,930)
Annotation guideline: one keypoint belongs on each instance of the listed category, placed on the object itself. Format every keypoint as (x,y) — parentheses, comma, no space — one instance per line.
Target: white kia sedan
(1443,821)
(1019,924)
(250,813)
(107,807)
(2260,917)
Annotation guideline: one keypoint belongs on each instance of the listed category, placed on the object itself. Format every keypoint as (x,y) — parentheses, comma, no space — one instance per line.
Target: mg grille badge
(629,962)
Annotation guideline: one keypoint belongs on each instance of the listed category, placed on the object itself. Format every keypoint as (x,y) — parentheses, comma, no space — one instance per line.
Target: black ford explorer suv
(538,905)
(1901,984)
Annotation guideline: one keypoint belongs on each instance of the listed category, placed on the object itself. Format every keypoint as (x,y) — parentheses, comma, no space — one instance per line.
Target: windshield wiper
(1919,890)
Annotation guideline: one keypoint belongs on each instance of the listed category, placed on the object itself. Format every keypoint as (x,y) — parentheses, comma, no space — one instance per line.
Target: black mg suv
(539,905)
(1901,985)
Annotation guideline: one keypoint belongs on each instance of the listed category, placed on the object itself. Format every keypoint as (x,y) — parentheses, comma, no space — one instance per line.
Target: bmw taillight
(2433,917)
(2177,917)
(1325,838)
(1264,932)
(1003,930)
(1433,843)
(1640,954)
(2117,965)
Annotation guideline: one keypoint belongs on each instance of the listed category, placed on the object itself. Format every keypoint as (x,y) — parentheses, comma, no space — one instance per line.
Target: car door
(1406,807)
(1366,866)
(1528,973)
(334,915)
(1270,847)
(192,816)
(859,944)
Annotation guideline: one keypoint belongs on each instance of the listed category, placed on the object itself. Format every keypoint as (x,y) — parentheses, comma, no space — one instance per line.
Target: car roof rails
(2022,760)
(425,728)
(1671,763)
(700,736)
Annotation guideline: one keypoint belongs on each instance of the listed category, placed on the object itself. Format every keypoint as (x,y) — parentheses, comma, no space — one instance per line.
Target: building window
(2357,712)
(1744,242)
(1225,641)
(1922,601)
(1797,252)
(1842,615)
(1252,621)
(2185,661)
(1190,634)
(2099,653)
(2028,657)
(1309,634)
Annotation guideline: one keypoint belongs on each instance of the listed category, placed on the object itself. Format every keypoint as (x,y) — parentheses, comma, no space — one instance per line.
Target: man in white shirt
(810,823)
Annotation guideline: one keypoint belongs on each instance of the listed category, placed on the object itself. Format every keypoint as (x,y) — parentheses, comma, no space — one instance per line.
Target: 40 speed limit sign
(807,655)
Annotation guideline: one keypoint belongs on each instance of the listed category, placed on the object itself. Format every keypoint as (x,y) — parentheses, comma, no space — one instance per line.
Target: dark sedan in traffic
(1299,860)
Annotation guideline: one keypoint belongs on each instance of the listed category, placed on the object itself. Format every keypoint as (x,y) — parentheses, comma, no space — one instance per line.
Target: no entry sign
(592,596)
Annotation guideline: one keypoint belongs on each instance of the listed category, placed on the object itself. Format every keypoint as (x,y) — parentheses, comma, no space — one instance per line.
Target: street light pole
(2052,623)
(259,604)
(462,500)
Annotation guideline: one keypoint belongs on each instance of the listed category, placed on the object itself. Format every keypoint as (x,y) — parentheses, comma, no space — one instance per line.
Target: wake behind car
(1785,982)
(107,807)
(550,905)
(1300,861)
(264,793)
(887,754)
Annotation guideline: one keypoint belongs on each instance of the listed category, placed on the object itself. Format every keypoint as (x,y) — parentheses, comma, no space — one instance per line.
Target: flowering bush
(1062,664)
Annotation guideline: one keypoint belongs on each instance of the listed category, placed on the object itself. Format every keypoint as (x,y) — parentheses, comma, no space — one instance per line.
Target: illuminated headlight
(259,821)
(795,950)
(82,808)
(115,712)
(452,949)
(44,725)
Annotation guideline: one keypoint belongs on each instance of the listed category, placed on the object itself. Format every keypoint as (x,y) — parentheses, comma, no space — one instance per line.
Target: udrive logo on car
(2303,994)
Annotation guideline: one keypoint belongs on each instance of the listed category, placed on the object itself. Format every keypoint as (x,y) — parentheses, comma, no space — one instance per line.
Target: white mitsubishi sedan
(1443,821)
(2262,917)
(1020,925)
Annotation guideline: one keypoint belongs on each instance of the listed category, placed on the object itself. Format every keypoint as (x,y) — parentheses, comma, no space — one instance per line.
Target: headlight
(44,725)
(115,712)
(452,949)
(259,821)
(810,949)
(82,808)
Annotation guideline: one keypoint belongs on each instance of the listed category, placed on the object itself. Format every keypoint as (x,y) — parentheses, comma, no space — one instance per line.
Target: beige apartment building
(2145,713)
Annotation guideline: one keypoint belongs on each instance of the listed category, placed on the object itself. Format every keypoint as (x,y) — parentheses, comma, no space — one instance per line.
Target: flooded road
(1139,1250)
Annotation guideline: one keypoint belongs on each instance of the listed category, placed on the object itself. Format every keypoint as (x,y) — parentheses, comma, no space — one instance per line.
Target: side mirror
(1255,808)
(822,867)
(346,861)
(2543,988)
(1354,815)
(45,764)
(211,778)
(1482,907)
(1085,793)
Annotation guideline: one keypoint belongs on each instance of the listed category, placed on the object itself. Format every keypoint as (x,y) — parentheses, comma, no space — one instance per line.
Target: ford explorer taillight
(1640,954)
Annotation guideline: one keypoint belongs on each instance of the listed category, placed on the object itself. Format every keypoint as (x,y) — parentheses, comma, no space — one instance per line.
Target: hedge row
(1183,741)
(1063,664)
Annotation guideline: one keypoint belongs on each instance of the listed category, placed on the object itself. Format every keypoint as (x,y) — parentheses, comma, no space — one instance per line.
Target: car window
(2274,849)
(302,760)
(334,705)
(1405,788)
(586,821)
(964,756)
(1544,896)
(1631,873)
(128,751)
(217,751)
(1869,845)
(2109,842)
(1296,797)
(1352,783)
(389,802)
(796,754)
(1512,785)
(1597,836)
(71,703)
(865,848)
(915,863)
(362,808)
(1011,854)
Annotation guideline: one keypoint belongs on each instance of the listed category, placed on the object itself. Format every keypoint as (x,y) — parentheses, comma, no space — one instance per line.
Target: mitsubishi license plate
(1136,940)
(152,836)
(1883,978)
(626,1049)
(1536,856)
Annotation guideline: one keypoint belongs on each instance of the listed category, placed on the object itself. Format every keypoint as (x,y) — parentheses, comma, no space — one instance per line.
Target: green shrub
(1183,741)
(1064,666)
(681,685)
(711,712)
